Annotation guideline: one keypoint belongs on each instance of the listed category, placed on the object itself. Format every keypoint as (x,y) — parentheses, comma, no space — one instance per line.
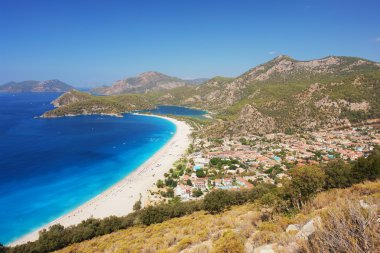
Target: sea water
(49,167)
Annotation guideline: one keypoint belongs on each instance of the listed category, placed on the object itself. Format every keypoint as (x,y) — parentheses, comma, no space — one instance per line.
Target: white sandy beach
(119,199)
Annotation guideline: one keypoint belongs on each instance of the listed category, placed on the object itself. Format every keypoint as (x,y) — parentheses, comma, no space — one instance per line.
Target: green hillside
(78,103)
(282,95)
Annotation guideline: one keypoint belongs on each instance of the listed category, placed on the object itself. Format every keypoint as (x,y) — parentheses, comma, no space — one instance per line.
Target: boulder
(293,228)
(309,228)
(267,248)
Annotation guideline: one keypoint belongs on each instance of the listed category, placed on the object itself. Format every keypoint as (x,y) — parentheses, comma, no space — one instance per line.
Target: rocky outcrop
(309,228)
(70,97)
(251,121)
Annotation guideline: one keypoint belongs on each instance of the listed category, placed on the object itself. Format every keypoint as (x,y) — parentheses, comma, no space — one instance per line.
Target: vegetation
(229,242)
(244,226)
(346,227)
(296,194)
(137,205)
(76,103)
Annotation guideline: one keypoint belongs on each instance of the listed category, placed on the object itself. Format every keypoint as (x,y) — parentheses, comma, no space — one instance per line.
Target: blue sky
(94,42)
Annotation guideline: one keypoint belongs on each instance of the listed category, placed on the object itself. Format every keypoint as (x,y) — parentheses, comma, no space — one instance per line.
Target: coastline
(119,199)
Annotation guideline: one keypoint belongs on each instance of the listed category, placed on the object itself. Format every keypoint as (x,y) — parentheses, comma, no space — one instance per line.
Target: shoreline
(119,199)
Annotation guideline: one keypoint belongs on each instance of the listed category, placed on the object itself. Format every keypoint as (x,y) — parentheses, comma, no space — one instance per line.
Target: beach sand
(119,199)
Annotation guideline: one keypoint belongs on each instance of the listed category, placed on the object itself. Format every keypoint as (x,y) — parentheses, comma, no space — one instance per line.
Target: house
(231,171)
(218,182)
(244,183)
(227,181)
(183,191)
(200,183)
(201,161)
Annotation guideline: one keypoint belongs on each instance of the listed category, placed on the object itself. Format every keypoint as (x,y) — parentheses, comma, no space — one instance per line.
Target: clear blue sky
(92,42)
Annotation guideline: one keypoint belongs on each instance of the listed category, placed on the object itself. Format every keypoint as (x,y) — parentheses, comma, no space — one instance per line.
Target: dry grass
(345,224)
(346,227)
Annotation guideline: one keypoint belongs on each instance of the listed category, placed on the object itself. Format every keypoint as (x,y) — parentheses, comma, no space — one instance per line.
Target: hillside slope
(248,228)
(80,103)
(287,95)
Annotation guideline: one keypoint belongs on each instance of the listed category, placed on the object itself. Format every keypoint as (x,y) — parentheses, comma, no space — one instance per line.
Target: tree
(180,166)
(305,182)
(200,173)
(170,182)
(367,168)
(160,183)
(170,193)
(216,201)
(2,248)
(272,199)
(197,193)
(338,174)
(137,205)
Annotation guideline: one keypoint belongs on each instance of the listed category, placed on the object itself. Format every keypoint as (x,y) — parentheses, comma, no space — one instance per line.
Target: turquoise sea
(50,166)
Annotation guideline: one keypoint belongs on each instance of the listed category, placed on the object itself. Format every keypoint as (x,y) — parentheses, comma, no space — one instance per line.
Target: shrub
(197,193)
(346,227)
(229,242)
(338,174)
(216,201)
(137,205)
(305,182)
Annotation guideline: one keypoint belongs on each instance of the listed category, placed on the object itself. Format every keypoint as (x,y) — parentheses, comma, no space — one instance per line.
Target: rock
(292,228)
(363,204)
(309,228)
(268,248)
(292,247)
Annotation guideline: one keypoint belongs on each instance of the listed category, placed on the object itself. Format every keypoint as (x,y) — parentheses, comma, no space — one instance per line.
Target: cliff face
(36,86)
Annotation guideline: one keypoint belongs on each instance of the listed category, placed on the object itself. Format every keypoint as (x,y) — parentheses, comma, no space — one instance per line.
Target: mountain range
(288,95)
(145,82)
(36,86)
(282,95)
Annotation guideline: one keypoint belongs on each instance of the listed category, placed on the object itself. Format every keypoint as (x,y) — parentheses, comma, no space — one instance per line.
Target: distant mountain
(145,82)
(196,81)
(281,95)
(36,86)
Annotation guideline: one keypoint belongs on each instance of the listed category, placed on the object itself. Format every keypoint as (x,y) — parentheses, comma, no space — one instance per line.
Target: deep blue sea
(177,110)
(50,166)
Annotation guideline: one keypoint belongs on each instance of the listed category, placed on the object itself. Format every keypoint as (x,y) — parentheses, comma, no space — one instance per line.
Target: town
(236,163)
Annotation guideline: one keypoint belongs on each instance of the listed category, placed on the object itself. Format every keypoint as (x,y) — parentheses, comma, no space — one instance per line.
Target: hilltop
(145,82)
(36,86)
